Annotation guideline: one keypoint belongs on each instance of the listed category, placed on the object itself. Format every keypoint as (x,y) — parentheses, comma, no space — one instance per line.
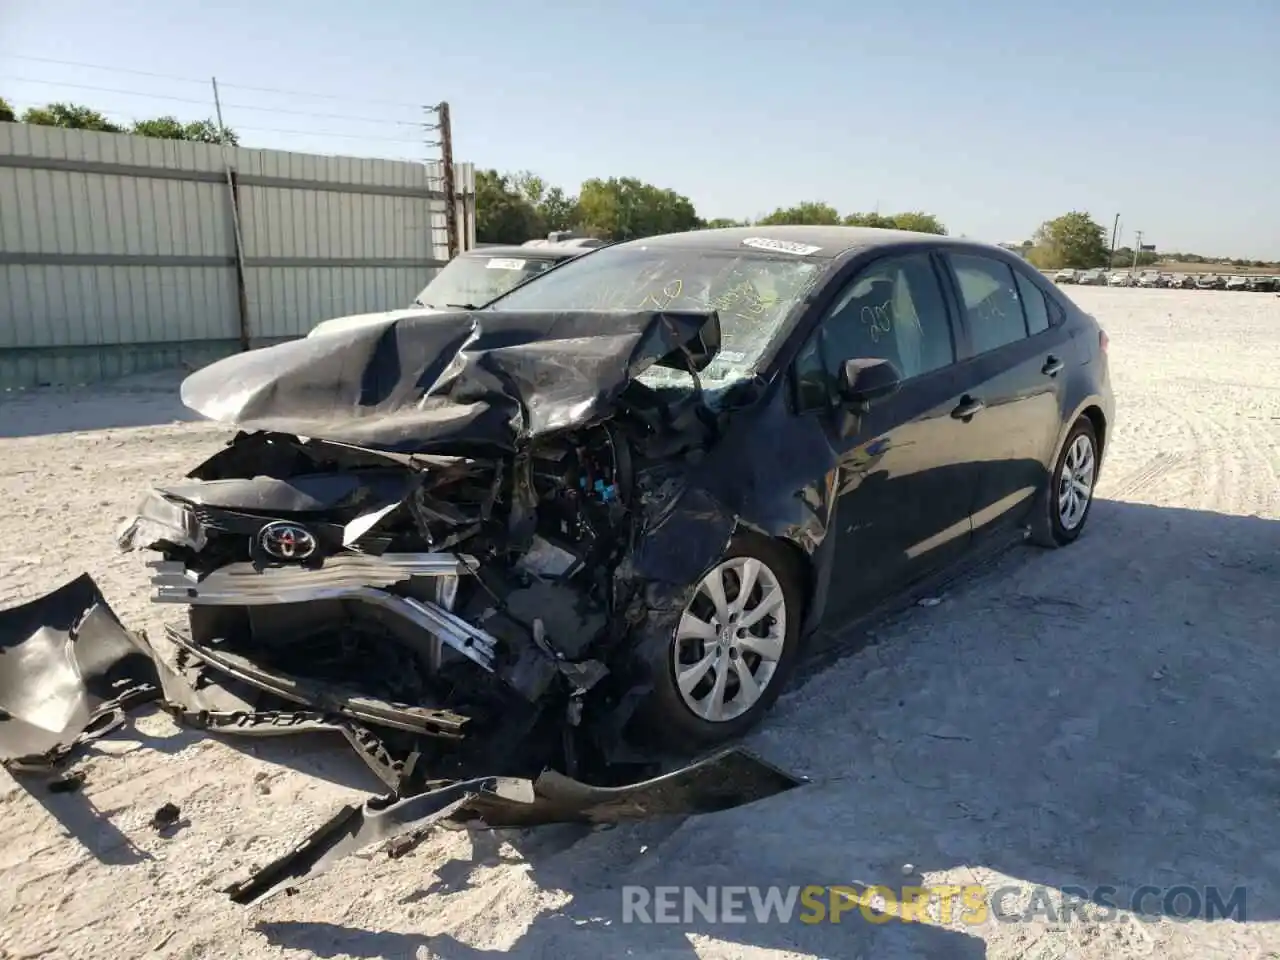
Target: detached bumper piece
(69,671)
(728,779)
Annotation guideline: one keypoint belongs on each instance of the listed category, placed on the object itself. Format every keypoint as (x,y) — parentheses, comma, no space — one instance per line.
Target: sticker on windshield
(497,263)
(781,246)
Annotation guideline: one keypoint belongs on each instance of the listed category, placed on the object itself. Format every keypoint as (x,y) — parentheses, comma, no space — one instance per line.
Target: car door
(905,483)
(1019,357)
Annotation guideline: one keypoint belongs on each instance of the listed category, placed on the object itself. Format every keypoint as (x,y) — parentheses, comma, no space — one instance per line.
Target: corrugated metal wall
(118,254)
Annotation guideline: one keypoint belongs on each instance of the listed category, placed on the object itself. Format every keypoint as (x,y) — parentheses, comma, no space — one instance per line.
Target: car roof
(526,253)
(830,241)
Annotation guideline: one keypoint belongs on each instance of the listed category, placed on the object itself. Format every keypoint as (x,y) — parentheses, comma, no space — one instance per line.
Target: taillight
(1102,340)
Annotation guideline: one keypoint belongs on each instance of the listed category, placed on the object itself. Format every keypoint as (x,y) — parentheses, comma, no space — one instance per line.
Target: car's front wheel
(733,647)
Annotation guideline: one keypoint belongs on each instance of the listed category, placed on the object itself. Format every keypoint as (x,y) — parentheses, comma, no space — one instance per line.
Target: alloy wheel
(730,639)
(1075,485)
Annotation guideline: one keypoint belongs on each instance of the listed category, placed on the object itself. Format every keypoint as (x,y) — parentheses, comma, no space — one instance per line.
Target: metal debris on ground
(166,817)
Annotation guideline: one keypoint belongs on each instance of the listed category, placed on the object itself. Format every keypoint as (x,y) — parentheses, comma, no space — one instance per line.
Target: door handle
(1052,366)
(967,408)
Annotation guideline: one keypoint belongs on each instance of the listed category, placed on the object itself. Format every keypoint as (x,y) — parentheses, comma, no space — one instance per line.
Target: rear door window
(992,305)
(1034,304)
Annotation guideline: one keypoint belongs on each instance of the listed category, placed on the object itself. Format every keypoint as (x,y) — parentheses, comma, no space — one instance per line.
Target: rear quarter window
(1035,304)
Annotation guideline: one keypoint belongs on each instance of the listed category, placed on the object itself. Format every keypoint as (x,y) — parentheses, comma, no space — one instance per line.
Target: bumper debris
(69,671)
(728,779)
(78,671)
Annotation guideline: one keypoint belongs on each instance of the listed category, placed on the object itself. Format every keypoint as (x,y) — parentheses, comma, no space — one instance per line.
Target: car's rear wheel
(1064,504)
(733,648)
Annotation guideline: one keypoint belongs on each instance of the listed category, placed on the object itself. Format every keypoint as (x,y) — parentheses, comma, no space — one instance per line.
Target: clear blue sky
(995,115)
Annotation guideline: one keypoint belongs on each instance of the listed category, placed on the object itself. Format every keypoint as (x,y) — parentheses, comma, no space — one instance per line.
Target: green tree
(1074,239)
(70,116)
(206,131)
(1124,258)
(169,128)
(558,210)
(919,222)
(529,185)
(870,220)
(161,128)
(810,213)
(503,213)
(721,222)
(624,208)
(916,221)
(6,112)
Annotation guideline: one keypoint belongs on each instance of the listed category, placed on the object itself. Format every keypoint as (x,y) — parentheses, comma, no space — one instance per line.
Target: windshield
(751,292)
(472,281)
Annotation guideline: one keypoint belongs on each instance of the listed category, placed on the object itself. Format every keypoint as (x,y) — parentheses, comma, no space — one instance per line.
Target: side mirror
(864,381)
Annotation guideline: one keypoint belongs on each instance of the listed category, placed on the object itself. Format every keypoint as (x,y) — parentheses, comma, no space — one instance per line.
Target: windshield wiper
(462,306)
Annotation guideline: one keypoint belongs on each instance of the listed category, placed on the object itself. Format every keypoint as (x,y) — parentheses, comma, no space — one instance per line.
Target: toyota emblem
(287,541)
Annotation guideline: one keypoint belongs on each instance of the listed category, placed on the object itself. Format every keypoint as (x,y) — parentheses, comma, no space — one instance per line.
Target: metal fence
(118,254)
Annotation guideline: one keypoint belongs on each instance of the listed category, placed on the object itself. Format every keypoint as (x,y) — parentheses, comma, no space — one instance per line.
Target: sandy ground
(1101,715)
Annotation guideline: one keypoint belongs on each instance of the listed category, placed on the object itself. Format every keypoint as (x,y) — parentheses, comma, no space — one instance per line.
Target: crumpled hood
(338,324)
(432,381)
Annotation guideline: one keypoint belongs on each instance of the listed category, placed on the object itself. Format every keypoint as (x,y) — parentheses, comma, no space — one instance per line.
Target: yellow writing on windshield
(743,299)
(668,295)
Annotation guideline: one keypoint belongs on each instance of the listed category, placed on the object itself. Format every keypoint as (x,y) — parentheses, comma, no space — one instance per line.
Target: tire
(1052,526)
(668,717)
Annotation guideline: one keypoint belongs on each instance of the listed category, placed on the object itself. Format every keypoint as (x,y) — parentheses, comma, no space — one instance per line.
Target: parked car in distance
(1262,284)
(1210,281)
(1096,277)
(1184,281)
(1120,279)
(472,279)
(1065,276)
(1237,283)
(1150,278)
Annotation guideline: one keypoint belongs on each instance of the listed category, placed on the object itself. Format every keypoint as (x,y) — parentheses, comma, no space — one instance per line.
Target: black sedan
(609,508)
(887,399)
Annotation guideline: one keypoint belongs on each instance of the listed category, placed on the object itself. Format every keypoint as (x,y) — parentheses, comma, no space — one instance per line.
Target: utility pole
(446,162)
(1137,246)
(1115,230)
(233,194)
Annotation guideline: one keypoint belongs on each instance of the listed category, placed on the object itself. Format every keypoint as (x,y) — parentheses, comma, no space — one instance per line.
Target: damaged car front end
(451,540)
(440,574)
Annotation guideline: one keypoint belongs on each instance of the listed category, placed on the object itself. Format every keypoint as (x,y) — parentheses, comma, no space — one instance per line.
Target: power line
(229,106)
(18,105)
(326,133)
(235,86)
